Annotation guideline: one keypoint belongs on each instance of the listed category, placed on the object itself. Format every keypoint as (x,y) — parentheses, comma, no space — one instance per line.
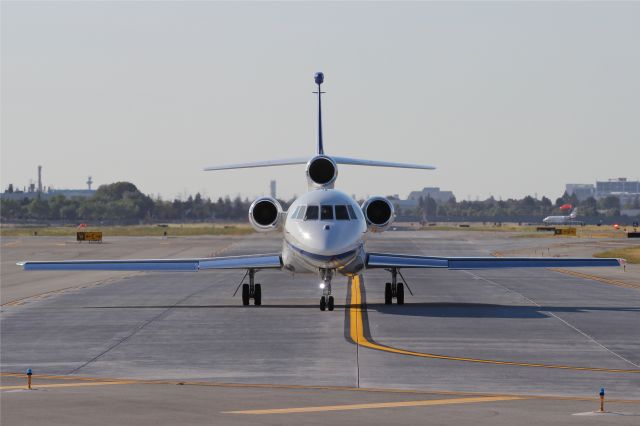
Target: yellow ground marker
(357,335)
(377,405)
(67,385)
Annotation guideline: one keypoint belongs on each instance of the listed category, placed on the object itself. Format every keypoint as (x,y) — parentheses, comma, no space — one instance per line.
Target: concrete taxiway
(481,346)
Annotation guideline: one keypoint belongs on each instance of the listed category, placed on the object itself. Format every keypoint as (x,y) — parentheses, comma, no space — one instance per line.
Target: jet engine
(265,214)
(379,213)
(322,172)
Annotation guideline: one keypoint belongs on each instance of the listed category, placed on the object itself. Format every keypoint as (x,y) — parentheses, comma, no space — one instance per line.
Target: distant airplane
(561,220)
(323,233)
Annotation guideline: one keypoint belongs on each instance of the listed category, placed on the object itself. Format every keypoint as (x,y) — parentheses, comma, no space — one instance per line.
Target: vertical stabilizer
(319,78)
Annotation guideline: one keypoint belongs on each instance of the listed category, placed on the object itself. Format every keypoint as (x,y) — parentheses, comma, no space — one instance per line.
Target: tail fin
(319,78)
(574,213)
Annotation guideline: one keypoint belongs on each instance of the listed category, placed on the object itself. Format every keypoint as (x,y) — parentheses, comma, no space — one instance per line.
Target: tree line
(123,203)
(609,206)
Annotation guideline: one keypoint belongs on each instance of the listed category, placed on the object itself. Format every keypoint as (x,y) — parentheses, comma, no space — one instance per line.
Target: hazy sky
(506,99)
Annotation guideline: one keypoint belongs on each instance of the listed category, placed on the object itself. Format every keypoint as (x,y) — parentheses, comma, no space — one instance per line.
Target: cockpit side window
(312,213)
(300,213)
(341,213)
(294,214)
(326,212)
(352,213)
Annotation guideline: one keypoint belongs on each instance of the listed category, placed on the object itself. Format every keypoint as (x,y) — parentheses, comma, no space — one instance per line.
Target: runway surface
(510,335)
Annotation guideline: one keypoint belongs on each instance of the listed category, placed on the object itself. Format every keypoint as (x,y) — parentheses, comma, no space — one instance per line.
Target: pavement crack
(141,327)
(574,328)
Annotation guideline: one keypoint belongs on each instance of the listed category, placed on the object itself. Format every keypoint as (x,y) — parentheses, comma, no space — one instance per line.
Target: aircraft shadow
(435,310)
(234,306)
(485,310)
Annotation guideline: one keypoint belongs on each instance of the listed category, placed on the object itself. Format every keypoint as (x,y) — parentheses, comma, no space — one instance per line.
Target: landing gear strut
(251,290)
(326,301)
(394,289)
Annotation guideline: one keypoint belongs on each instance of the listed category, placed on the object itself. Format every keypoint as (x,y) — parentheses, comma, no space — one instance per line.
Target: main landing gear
(326,301)
(251,290)
(394,289)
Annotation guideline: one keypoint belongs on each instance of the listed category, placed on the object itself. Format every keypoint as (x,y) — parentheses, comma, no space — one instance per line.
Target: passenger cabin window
(326,212)
(341,213)
(312,213)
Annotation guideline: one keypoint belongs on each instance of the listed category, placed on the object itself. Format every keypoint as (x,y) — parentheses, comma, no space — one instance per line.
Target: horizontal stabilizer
(268,163)
(386,260)
(260,261)
(359,162)
(305,160)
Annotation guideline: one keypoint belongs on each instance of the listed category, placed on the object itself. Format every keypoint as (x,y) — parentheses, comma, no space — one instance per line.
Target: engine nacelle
(379,213)
(265,214)
(322,172)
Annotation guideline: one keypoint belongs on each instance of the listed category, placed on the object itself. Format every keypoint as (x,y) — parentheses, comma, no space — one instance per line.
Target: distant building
(33,193)
(582,191)
(617,186)
(628,191)
(432,192)
(402,205)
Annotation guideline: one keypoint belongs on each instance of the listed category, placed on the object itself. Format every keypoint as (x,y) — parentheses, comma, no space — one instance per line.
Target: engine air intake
(322,171)
(379,213)
(265,214)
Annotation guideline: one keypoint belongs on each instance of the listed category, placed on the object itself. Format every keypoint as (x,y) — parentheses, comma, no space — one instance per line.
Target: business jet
(323,233)
(561,220)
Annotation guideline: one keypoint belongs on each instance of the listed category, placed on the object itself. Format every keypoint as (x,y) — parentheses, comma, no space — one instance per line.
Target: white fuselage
(556,219)
(324,229)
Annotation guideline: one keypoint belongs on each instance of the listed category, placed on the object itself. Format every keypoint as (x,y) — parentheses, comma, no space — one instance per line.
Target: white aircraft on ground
(324,232)
(561,220)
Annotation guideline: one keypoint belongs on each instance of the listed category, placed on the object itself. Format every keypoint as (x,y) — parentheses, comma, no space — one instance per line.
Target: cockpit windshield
(325,212)
(342,213)
(312,213)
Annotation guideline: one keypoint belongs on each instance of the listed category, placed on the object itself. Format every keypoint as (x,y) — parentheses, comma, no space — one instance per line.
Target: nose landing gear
(326,301)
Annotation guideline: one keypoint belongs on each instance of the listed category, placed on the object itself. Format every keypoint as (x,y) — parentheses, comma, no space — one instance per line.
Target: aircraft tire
(323,303)
(388,298)
(257,295)
(400,294)
(245,294)
(330,303)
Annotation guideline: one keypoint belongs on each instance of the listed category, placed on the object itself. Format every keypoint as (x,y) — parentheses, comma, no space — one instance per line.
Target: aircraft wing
(388,260)
(260,261)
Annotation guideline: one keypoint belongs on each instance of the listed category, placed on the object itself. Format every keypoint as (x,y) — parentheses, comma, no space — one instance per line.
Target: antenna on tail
(319,79)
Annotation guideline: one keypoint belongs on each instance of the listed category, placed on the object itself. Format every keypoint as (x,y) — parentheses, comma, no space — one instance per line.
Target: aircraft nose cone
(328,239)
(319,78)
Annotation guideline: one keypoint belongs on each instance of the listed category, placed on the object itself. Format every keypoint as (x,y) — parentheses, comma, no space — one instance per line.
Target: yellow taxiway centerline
(317,387)
(377,405)
(596,278)
(359,338)
(586,276)
(66,385)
